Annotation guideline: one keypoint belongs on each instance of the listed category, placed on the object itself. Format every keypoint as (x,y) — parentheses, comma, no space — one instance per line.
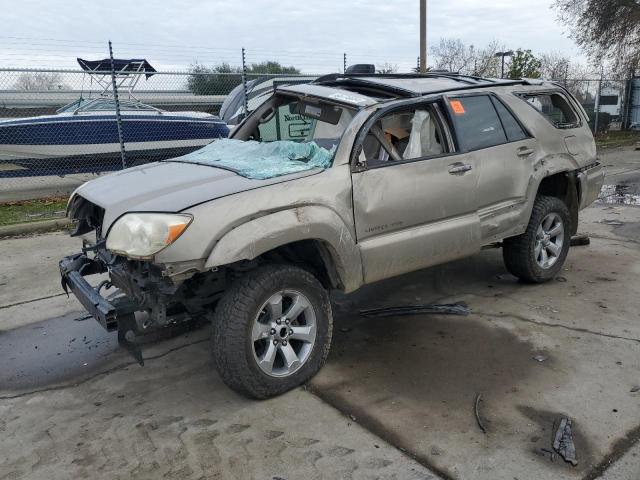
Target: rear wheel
(271,330)
(538,254)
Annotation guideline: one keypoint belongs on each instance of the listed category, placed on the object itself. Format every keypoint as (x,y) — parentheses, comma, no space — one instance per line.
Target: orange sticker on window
(456,106)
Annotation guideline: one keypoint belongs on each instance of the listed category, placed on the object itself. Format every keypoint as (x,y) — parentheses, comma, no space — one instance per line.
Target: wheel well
(565,187)
(314,255)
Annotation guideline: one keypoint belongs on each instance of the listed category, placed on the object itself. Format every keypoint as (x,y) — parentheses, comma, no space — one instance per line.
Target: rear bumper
(73,269)
(590,181)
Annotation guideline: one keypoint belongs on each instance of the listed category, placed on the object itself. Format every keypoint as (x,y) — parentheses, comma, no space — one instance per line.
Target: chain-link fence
(67,122)
(608,102)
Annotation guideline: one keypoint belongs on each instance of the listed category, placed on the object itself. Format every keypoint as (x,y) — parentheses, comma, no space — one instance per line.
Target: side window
(404,135)
(476,122)
(555,108)
(511,126)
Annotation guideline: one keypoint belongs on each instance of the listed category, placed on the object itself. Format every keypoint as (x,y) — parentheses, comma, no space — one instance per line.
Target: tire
(524,255)
(249,310)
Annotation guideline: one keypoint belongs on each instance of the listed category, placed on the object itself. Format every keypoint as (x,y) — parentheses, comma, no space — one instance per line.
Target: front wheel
(271,330)
(538,254)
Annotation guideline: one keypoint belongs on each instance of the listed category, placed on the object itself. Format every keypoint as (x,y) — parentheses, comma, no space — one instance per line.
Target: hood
(168,187)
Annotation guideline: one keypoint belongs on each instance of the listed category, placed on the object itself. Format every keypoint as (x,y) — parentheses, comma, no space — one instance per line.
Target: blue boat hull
(55,145)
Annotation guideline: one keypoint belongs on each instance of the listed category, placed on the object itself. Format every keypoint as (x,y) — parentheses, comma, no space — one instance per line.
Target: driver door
(414,195)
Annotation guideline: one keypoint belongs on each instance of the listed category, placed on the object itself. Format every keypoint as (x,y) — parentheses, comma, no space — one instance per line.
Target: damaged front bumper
(73,269)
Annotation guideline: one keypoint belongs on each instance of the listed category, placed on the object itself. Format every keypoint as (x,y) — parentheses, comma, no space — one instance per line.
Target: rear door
(414,194)
(505,153)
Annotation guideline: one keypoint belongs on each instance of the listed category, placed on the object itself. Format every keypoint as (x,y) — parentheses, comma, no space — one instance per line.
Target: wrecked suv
(332,185)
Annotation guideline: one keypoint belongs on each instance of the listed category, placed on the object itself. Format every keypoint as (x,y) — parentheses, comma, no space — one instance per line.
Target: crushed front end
(165,294)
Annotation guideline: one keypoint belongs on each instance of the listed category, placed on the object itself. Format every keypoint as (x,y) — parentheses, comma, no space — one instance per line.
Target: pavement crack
(621,240)
(31,301)
(619,449)
(377,428)
(101,373)
(553,325)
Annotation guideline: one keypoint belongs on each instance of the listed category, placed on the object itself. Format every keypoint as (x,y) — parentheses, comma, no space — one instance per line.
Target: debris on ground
(635,389)
(563,441)
(561,279)
(540,358)
(614,223)
(446,309)
(545,451)
(476,411)
(580,241)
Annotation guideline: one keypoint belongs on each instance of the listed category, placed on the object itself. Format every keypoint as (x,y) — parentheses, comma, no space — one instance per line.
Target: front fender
(260,235)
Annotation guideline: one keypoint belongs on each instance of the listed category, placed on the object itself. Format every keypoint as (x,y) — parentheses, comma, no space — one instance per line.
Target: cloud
(311,35)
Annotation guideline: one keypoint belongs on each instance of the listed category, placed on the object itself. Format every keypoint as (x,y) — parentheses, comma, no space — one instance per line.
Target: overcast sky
(309,34)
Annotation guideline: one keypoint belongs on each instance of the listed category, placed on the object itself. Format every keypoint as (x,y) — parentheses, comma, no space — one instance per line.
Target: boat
(83,135)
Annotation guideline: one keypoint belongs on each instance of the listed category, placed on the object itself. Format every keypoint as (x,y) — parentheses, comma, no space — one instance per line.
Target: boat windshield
(103,104)
(292,135)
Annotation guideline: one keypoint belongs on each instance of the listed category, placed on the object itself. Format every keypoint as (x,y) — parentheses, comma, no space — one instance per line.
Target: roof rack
(369,80)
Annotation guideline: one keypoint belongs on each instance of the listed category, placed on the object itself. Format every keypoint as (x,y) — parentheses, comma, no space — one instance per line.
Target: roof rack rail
(375,81)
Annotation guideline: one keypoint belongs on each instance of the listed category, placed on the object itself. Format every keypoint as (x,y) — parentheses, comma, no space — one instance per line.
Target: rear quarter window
(555,108)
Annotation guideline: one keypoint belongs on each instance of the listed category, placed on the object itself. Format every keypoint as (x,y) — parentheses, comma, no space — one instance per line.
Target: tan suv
(332,185)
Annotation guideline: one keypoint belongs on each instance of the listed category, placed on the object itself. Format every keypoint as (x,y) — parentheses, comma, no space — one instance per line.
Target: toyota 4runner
(335,184)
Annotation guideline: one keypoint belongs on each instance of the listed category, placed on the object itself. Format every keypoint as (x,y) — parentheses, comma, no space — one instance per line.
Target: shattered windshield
(290,136)
(261,160)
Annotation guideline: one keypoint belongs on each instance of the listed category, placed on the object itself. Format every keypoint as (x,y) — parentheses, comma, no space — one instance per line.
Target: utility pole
(423,36)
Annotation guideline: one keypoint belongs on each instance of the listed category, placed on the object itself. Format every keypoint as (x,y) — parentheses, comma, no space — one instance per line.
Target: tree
(272,67)
(485,62)
(453,55)
(217,80)
(605,29)
(221,79)
(39,81)
(524,64)
(554,66)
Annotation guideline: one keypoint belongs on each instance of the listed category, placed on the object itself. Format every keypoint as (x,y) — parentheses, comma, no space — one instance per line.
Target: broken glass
(261,160)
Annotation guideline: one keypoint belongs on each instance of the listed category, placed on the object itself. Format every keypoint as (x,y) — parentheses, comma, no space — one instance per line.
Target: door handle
(525,151)
(458,168)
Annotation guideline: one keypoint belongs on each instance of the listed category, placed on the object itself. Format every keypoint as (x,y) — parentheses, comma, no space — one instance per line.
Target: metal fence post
(117,102)
(597,112)
(626,111)
(244,83)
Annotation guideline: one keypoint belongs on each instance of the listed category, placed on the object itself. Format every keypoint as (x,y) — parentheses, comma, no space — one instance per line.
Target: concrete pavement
(394,401)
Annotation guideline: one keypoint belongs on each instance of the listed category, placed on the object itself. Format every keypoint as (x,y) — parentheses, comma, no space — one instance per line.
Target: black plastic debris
(580,241)
(563,442)
(445,309)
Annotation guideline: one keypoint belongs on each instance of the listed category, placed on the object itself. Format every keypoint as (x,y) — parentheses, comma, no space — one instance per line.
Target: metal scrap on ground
(447,309)
(563,441)
(476,411)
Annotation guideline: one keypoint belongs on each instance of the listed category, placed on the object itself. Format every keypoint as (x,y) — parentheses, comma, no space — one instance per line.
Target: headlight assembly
(142,235)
